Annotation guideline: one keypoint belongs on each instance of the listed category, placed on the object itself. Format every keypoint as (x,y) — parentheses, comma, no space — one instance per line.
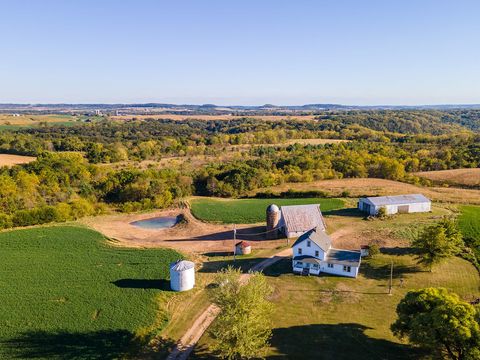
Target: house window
(330,266)
(309,243)
(346,268)
(315,266)
(299,251)
(299,264)
(317,253)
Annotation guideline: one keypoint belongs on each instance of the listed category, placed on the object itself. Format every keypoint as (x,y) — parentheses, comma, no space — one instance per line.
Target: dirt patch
(11,160)
(191,236)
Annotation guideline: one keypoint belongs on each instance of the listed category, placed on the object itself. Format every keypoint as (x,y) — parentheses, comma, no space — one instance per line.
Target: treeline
(150,139)
(272,166)
(62,187)
(433,122)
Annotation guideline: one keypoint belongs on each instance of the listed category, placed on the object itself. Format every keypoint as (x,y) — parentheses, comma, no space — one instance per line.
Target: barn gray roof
(343,257)
(397,199)
(318,236)
(300,218)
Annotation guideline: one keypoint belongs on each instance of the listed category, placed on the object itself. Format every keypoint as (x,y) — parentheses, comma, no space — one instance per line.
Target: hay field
(379,187)
(11,160)
(464,177)
(8,121)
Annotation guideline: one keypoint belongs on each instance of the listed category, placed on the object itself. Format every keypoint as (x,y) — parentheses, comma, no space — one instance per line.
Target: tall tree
(439,321)
(243,327)
(438,242)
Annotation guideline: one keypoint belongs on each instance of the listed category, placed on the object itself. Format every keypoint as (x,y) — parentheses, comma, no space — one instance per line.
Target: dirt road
(188,341)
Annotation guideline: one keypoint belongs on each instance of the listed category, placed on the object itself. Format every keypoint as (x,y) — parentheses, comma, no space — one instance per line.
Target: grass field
(65,293)
(463,177)
(469,221)
(249,211)
(331,317)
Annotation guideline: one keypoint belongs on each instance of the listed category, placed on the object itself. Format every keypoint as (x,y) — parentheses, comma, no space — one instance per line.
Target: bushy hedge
(60,212)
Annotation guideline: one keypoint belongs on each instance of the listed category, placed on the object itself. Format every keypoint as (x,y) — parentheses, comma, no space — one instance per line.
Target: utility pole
(390,286)
(234,241)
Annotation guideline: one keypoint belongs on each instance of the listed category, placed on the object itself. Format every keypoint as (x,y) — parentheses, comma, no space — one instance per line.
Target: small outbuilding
(243,248)
(411,203)
(182,275)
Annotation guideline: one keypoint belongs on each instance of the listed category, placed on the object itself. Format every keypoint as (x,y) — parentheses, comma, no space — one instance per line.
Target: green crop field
(65,293)
(249,211)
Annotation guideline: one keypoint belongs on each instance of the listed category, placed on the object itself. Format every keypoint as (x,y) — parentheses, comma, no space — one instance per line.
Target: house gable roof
(343,257)
(300,218)
(318,236)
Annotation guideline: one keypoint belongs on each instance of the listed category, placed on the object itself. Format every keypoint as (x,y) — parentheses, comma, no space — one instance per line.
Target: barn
(411,203)
(293,221)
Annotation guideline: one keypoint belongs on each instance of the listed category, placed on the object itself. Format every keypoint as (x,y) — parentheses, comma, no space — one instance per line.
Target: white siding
(338,270)
(310,251)
(394,209)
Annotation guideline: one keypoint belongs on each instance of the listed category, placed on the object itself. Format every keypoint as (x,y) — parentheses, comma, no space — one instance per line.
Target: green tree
(439,321)
(243,327)
(438,242)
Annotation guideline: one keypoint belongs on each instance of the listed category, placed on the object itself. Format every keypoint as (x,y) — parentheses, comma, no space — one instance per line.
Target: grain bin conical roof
(182,265)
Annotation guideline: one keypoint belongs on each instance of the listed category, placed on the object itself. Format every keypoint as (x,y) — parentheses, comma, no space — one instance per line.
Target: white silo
(182,275)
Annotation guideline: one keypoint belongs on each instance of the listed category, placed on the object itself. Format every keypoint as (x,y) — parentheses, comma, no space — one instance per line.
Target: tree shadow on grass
(372,270)
(336,341)
(244,264)
(160,284)
(104,344)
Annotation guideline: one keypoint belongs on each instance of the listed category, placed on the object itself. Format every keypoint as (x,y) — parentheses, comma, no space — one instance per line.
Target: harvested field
(27,120)
(462,177)
(378,187)
(315,141)
(11,160)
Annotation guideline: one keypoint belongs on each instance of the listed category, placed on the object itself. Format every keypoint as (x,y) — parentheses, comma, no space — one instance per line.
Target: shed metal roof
(397,199)
(300,218)
(343,257)
(318,236)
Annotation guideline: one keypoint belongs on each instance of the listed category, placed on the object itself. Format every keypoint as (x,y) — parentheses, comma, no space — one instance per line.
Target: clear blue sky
(240,52)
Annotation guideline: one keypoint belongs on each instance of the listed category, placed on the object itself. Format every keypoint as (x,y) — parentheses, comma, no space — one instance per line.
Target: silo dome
(273,208)
(182,275)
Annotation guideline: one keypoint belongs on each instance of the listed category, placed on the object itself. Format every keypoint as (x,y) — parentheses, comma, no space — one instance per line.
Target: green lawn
(330,317)
(249,211)
(65,293)
(469,221)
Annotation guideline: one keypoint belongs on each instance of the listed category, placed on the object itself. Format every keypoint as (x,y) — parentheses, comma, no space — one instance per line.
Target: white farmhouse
(313,254)
(395,204)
